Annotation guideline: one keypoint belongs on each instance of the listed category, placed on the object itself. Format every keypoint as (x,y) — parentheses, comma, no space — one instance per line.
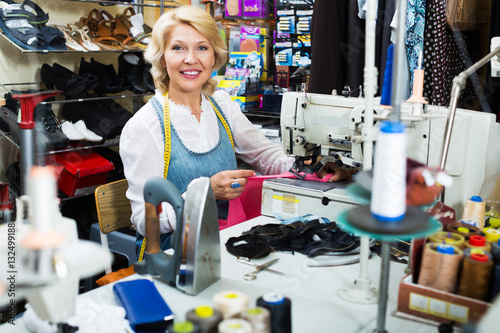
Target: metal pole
(399,64)
(27,155)
(383,289)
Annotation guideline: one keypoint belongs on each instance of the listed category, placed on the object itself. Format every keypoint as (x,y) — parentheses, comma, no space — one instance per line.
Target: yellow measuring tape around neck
(166,153)
(223,121)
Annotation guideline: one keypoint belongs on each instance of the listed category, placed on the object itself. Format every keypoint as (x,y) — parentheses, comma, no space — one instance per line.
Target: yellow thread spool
(449,238)
(492,235)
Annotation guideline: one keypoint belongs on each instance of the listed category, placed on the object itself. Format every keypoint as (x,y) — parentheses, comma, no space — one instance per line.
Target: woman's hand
(222,181)
(338,173)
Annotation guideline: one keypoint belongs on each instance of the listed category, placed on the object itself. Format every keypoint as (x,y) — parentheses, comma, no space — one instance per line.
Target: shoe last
(131,69)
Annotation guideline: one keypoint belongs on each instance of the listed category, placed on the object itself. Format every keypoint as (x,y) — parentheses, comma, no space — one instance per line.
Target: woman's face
(189,58)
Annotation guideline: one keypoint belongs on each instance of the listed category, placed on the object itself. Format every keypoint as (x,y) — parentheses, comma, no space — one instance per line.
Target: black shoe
(149,82)
(63,79)
(108,80)
(91,81)
(48,125)
(131,70)
(8,123)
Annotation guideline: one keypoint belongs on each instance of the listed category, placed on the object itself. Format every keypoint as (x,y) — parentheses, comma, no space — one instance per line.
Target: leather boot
(131,69)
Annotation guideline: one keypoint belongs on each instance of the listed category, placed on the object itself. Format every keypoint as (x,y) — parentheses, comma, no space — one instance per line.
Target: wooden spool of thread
(463,229)
(440,270)
(449,238)
(470,251)
(475,277)
(478,242)
(474,211)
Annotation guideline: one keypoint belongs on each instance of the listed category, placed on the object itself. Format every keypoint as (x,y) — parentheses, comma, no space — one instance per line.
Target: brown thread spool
(439,270)
(463,229)
(449,238)
(475,277)
(206,317)
(478,242)
(474,210)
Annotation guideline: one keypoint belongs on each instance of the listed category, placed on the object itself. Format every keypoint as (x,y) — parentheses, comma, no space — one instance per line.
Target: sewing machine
(330,126)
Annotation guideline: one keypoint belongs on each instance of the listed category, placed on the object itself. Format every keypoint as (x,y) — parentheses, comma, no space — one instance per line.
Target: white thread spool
(388,203)
(231,303)
(259,317)
(235,325)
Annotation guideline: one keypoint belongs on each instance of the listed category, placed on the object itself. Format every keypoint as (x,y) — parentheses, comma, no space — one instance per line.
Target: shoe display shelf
(23,50)
(74,147)
(140,3)
(162,4)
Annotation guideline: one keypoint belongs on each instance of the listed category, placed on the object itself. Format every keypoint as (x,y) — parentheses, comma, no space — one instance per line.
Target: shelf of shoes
(85,146)
(76,100)
(23,50)
(164,3)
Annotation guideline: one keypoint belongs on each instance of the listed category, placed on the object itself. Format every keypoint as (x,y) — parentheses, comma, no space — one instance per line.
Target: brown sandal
(120,32)
(134,23)
(101,30)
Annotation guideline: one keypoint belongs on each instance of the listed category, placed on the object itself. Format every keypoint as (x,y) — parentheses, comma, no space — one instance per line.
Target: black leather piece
(312,238)
(249,246)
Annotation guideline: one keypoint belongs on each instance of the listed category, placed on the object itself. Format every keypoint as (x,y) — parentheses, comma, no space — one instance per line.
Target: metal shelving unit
(23,50)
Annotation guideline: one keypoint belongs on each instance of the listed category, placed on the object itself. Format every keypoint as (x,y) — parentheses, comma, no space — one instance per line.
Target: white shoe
(71,132)
(89,135)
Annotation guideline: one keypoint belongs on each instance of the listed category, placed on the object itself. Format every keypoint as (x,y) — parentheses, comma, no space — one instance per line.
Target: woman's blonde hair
(199,20)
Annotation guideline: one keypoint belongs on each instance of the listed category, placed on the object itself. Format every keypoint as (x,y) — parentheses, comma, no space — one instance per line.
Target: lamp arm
(458,84)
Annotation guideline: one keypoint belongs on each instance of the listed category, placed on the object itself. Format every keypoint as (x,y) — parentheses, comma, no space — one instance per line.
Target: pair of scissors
(253,275)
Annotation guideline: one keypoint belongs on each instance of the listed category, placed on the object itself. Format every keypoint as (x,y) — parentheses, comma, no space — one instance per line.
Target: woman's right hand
(221,183)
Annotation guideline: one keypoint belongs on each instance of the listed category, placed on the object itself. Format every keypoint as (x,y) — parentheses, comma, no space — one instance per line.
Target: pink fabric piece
(248,205)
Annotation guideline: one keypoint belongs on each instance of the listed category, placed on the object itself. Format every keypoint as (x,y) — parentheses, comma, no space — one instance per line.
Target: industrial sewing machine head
(331,127)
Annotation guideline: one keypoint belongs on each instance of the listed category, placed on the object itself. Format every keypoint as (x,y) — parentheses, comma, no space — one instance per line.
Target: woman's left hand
(229,184)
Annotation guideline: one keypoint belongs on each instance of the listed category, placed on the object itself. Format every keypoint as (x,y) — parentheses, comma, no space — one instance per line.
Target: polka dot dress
(435,60)
(447,54)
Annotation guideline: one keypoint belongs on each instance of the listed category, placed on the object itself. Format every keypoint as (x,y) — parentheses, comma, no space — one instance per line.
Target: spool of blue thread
(280,308)
(445,249)
(387,86)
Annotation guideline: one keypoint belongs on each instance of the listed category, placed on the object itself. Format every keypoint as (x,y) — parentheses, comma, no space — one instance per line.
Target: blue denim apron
(186,165)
